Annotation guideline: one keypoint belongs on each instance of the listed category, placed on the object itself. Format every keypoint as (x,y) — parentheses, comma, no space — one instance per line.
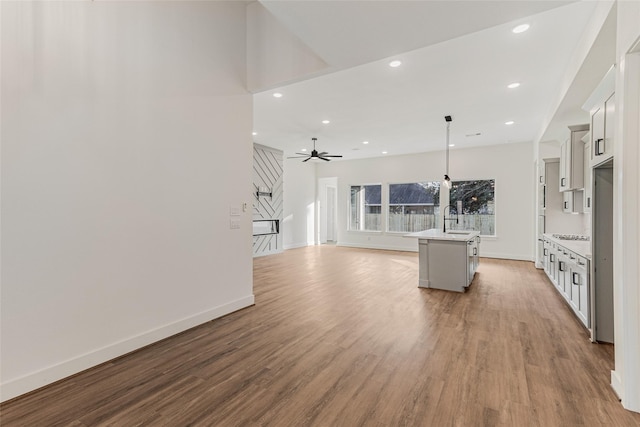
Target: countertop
(437,234)
(580,247)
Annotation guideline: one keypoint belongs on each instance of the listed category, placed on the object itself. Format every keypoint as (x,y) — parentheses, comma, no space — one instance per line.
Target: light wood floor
(344,337)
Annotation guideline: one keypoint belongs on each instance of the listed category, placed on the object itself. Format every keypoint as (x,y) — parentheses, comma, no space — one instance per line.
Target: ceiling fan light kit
(314,154)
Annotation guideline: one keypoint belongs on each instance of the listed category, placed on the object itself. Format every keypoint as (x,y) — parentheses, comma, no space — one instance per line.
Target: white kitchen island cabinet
(448,260)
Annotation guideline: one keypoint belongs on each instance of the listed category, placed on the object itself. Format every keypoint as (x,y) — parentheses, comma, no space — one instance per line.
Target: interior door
(331,214)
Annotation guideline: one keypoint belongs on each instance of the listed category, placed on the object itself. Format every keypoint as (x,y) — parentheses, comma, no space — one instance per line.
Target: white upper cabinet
(572,201)
(603,121)
(572,159)
(602,106)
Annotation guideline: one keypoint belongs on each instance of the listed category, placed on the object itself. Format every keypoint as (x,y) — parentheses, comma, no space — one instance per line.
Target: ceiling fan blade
(303,154)
(333,155)
(324,158)
(297,157)
(306,160)
(323,153)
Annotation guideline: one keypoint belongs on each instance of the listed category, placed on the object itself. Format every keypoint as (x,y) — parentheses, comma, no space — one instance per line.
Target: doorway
(602,257)
(332,199)
(328,210)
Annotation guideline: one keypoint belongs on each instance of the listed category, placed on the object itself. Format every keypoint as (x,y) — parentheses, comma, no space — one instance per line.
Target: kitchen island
(448,260)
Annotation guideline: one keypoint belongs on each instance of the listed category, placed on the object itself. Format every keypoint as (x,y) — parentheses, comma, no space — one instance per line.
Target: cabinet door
(553,266)
(574,282)
(470,271)
(567,201)
(588,178)
(609,129)
(604,123)
(572,201)
(564,161)
(564,287)
(584,306)
(545,256)
(597,134)
(476,254)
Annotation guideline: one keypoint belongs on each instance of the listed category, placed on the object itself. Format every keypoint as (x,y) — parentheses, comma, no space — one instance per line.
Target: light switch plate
(234,225)
(234,211)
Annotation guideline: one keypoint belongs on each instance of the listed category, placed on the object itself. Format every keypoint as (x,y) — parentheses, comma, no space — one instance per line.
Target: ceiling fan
(314,154)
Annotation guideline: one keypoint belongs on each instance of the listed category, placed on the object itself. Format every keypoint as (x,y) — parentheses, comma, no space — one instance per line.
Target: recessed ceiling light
(510,122)
(452,145)
(521,28)
(365,142)
(277,95)
(513,85)
(303,149)
(326,122)
(384,152)
(395,63)
(254,133)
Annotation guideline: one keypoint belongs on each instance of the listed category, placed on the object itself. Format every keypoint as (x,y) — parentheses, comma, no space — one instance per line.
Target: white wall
(274,55)
(509,164)
(625,379)
(125,141)
(299,204)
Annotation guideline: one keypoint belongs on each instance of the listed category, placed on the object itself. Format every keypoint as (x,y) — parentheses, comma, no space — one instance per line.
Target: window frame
(388,203)
(349,209)
(495,206)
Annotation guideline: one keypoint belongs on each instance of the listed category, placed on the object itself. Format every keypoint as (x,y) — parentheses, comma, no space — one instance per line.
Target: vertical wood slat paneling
(268,170)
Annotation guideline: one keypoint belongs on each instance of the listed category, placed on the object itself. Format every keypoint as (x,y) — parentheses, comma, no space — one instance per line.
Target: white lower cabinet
(563,275)
(473,252)
(569,273)
(580,290)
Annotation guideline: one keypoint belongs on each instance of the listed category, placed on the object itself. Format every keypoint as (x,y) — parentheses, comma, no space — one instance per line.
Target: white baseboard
(51,374)
(278,251)
(514,257)
(616,385)
(380,247)
(297,245)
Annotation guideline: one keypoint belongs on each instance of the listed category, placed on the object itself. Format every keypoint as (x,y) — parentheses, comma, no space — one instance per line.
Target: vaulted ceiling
(458,57)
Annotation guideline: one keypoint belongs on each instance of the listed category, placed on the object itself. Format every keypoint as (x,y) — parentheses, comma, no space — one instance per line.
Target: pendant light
(447,181)
(445,186)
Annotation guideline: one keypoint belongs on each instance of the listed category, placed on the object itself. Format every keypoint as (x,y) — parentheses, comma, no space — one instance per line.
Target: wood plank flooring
(344,337)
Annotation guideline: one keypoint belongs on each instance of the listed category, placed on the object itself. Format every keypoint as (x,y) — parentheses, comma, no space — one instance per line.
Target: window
(365,208)
(413,206)
(474,202)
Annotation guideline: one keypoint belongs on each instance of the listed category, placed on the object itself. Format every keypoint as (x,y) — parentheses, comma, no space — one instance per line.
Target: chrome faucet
(445,219)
